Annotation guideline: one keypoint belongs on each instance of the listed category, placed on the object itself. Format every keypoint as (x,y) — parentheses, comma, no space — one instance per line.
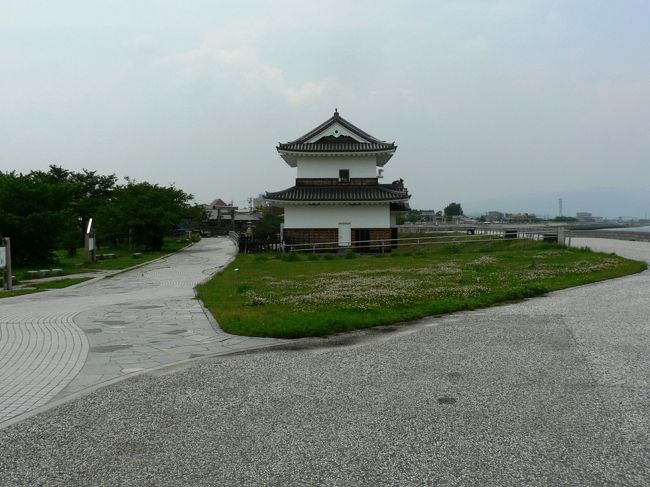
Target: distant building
(337,197)
(222,217)
(520,217)
(259,202)
(429,216)
(218,210)
(584,216)
(494,216)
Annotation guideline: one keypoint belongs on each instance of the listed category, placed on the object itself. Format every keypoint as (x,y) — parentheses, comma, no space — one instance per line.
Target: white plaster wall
(329,216)
(328,166)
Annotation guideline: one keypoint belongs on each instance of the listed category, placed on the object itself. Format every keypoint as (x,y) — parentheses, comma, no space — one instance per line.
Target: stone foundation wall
(379,233)
(310,236)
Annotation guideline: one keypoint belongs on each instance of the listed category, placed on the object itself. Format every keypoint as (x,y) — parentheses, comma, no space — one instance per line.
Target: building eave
(291,157)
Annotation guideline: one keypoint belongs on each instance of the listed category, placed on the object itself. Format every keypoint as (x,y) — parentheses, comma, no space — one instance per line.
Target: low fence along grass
(274,295)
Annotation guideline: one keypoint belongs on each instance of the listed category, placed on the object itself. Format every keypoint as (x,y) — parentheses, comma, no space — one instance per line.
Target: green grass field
(313,295)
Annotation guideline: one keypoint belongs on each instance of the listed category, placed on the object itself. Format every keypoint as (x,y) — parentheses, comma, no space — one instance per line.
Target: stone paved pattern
(548,391)
(57,343)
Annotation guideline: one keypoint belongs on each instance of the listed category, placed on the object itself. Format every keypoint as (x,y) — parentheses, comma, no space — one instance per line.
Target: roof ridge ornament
(336,113)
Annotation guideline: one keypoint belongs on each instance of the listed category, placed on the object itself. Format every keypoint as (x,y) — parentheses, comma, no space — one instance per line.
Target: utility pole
(8,284)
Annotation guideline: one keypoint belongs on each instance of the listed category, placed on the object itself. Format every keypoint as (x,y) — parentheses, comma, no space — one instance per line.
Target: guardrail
(384,245)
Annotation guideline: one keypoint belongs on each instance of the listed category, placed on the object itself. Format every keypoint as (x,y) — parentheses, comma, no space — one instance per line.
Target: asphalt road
(549,391)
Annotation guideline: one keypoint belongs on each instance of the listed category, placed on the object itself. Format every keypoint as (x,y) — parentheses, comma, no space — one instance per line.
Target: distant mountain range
(604,202)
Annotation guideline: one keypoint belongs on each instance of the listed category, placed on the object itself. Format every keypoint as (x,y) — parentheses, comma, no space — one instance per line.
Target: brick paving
(58,343)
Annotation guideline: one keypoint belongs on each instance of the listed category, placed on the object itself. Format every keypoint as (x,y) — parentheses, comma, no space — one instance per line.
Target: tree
(35,213)
(86,193)
(453,209)
(141,213)
(267,227)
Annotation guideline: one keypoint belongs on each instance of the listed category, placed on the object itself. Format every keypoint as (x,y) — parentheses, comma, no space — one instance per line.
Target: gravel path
(549,391)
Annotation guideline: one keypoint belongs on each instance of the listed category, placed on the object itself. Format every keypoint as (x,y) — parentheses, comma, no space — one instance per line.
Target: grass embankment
(122,259)
(43,286)
(310,295)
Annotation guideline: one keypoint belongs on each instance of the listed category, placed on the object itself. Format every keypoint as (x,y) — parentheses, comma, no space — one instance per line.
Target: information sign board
(3,257)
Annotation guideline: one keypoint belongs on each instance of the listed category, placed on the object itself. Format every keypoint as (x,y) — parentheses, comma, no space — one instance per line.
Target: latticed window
(344,175)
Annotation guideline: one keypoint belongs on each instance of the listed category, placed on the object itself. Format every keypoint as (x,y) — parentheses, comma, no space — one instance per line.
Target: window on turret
(344,175)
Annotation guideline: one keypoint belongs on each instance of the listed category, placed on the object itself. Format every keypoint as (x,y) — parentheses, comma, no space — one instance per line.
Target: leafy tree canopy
(453,209)
(47,210)
(268,227)
(141,213)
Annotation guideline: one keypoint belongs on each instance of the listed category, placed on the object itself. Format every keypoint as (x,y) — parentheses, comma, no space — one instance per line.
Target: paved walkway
(57,343)
(547,391)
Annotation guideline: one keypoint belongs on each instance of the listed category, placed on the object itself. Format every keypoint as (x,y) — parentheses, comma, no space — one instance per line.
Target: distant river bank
(629,229)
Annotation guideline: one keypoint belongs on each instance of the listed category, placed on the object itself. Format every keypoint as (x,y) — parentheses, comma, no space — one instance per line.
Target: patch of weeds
(453,249)
(394,254)
(242,288)
(408,253)
(313,257)
(328,257)
(490,247)
(291,257)
(351,255)
(261,258)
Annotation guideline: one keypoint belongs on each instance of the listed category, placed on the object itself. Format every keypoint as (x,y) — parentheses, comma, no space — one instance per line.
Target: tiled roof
(337,144)
(334,147)
(340,193)
(218,202)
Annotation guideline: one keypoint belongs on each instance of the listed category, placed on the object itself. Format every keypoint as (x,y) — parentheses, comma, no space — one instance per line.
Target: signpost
(5,262)
(89,241)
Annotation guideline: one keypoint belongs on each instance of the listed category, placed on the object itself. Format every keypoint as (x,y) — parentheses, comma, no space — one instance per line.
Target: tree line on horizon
(43,211)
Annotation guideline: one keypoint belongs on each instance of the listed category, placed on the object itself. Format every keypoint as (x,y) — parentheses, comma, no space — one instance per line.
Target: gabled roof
(218,202)
(343,193)
(338,118)
(328,139)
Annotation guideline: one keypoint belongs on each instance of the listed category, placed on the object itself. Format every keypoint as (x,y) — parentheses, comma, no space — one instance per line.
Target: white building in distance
(337,198)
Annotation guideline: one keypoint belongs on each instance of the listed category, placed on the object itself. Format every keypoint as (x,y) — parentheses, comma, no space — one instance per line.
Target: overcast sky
(483,98)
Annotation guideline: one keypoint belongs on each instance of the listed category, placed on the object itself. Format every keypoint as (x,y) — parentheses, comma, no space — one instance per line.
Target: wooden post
(8,280)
